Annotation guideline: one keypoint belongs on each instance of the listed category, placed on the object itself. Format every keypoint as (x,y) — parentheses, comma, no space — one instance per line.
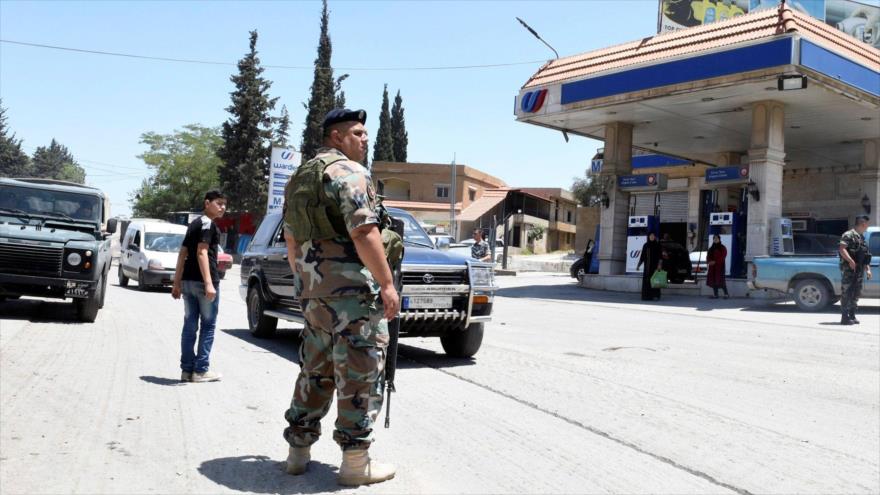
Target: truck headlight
(154,264)
(482,277)
(73,259)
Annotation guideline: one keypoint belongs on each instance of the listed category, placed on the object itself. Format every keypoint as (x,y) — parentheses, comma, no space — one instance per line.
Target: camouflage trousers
(850,290)
(343,349)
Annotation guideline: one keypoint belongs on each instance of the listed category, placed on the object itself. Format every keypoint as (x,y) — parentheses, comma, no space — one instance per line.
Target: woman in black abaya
(650,257)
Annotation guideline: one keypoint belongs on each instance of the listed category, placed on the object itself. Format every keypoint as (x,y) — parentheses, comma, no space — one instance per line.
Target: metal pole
(452,201)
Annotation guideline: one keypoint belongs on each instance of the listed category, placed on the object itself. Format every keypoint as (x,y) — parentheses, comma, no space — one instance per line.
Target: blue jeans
(197,306)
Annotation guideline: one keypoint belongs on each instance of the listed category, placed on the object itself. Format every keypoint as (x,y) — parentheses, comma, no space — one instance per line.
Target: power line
(287,67)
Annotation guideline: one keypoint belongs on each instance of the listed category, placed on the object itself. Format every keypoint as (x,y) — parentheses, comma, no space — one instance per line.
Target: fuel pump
(637,229)
(729,225)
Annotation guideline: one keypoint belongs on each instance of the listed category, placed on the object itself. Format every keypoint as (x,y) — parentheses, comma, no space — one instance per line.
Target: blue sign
(727,174)
(596,166)
(644,182)
(652,160)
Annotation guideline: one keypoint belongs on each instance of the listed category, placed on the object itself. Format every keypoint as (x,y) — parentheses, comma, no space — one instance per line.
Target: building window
(568,216)
(472,194)
(442,191)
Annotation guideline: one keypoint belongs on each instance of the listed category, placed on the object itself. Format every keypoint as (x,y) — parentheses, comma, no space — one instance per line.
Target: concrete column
(617,161)
(870,176)
(766,159)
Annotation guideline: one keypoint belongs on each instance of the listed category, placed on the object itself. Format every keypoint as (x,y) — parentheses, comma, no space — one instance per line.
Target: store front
(772,115)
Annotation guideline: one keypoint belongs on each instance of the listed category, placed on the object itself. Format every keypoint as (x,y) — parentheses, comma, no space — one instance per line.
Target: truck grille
(437,278)
(29,259)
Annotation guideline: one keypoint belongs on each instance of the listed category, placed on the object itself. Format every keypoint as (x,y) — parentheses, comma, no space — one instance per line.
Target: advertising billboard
(284,162)
(859,19)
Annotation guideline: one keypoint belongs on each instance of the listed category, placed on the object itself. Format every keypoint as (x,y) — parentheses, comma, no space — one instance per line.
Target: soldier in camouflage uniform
(347,295)
(854,265)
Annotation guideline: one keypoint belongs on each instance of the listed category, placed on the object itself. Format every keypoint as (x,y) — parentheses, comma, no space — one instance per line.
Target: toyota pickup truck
(55,242)
(813,282)
(444,294)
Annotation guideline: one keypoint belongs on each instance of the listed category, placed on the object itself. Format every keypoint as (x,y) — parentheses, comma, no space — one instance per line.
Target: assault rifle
(393,328)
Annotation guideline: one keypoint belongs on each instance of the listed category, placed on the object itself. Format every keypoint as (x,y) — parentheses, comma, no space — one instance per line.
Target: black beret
(338,115)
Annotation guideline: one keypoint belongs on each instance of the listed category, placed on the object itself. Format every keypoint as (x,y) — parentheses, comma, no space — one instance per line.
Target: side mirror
(134,247)
(111,225)
(443,244)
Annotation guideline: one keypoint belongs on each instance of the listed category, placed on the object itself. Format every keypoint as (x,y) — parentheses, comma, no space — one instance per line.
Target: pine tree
(247,136)
(398,129)
(13,161)
(323,92)
(281,132)
(56,162)
(383,150)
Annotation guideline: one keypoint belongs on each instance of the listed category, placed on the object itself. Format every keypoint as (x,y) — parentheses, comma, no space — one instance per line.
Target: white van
(149,253)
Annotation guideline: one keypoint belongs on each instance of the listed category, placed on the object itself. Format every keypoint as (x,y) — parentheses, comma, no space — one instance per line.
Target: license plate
(427,302)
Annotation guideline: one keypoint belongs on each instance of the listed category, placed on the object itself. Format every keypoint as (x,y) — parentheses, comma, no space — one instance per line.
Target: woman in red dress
(715,258)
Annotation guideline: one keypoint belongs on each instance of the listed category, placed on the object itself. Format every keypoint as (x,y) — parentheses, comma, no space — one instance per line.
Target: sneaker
(186,376)
(208,376)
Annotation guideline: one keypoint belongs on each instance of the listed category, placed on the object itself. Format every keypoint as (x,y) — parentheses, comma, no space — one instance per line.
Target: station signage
(727,175)
(642,182)
(857,18)
(284,162)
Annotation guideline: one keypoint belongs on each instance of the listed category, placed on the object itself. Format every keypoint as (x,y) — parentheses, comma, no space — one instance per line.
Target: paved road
(574,391)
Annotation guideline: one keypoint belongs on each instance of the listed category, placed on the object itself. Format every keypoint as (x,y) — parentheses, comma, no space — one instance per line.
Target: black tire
(463,343)
(103,282)
(87,309)
(141,284)
(259,324)
(811,295)
(123,280)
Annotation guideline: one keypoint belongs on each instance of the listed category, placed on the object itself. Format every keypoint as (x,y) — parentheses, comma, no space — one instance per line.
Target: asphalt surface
(573,391)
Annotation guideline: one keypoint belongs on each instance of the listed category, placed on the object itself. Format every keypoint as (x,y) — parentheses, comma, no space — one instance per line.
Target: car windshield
(60,204)
(412,231)
(163,242)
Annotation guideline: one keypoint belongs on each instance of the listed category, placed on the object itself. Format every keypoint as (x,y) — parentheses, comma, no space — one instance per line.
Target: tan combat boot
(358,469)
(298,460)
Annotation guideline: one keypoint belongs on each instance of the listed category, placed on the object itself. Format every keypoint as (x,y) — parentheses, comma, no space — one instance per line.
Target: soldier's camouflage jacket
(331,267)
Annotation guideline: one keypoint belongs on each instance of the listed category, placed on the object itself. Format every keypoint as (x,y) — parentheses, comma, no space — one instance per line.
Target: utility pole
(452,202)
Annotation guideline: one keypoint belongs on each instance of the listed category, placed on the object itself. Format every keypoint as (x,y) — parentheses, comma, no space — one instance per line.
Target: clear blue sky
(98,106)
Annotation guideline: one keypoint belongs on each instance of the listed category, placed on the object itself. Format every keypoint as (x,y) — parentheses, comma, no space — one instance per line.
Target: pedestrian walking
(197,281)
(347,293)
(650,258)
(716,259)
(855,261)
(480,249)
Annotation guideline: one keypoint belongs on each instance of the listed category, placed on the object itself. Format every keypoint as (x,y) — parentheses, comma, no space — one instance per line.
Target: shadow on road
(260,474)
(158,380)
(39,311)
(416,357)
(285,343)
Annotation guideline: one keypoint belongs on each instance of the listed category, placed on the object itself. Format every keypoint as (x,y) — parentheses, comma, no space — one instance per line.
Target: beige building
(425,189)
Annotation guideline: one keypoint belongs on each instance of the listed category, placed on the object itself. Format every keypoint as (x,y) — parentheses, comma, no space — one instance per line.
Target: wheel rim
(254,308)
(810,295)
(580,274)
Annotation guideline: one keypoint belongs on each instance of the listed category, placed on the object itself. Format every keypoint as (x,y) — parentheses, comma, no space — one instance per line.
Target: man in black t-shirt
(197,281)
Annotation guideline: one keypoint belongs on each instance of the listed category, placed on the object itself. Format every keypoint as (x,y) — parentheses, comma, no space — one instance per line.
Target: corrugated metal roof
(753,26)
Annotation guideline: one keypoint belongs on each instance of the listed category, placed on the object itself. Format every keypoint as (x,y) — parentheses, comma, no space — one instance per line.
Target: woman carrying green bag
(650,257)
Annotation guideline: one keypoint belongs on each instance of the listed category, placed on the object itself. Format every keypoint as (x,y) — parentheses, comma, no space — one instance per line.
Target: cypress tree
(13,161)
(56,162)
(246,136)
(281,132)
(323,92)
(340,94)
(383,150)
(398,129)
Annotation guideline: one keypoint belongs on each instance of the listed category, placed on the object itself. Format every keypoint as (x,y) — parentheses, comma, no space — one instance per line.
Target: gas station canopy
(689,93)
